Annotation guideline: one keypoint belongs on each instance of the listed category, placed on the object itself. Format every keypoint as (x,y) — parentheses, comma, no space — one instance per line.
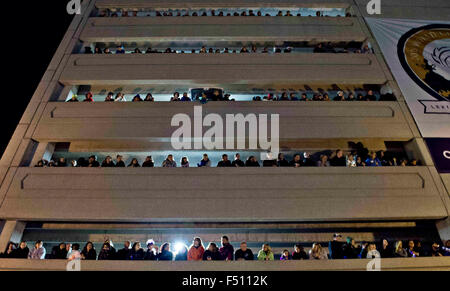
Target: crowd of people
(218,96)
(202,12)
(360,157)
(319,48)
(337,249)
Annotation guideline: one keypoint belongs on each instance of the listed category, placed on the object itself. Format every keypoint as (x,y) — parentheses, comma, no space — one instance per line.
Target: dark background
(31,33)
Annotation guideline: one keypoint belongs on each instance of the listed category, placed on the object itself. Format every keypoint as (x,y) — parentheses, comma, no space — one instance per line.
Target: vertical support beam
(416,148)
(443,228)
(12,232)
(44,151)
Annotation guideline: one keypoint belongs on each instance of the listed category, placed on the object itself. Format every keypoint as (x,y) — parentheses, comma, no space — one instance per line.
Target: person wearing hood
(89,97)
(137,98)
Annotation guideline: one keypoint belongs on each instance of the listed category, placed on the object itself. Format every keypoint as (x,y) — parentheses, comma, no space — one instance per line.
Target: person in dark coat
(8,254)
(386,250)
(336,247)
(225,162)
(89,253)
(21,252)
(307,161)
(106,253)
(227,250)
(148,163)
(165,253)
(282,162)
(151,253)
(339,159)
(238,163)
(108,163)
(244,253)
(137,253)
(124,253)
(93,163)
(351,249)
(59,252)
(299,253)
(252,162)
(296,162)
(119,162)
(212,253)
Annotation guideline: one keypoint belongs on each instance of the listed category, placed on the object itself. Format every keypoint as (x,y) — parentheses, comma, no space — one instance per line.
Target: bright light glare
(179,246)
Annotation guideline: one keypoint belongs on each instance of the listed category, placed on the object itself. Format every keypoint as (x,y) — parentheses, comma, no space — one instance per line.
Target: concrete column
(416,148)
(12,232)
(443,228)
(44,151)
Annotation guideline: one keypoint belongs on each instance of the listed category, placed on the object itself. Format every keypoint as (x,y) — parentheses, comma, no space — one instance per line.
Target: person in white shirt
(351,161)
(372,253)
(38,252)
(75,254)
(120,98)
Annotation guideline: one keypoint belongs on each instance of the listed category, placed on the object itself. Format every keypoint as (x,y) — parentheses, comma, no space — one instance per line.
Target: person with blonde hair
(372,253)
(317,253)
(399,250)
(266,254)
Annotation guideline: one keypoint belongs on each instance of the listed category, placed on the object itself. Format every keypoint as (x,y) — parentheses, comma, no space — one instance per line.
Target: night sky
(31,34)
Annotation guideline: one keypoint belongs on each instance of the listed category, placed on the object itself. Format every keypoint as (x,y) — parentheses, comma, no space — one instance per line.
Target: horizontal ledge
(222,59)
(432,263)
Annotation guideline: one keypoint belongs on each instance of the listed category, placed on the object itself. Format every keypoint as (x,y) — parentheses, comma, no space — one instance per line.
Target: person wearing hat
(137,98)
(152,250)
(336,247)
(74,99)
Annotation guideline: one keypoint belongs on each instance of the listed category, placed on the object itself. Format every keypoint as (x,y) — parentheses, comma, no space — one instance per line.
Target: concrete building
(283,206)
